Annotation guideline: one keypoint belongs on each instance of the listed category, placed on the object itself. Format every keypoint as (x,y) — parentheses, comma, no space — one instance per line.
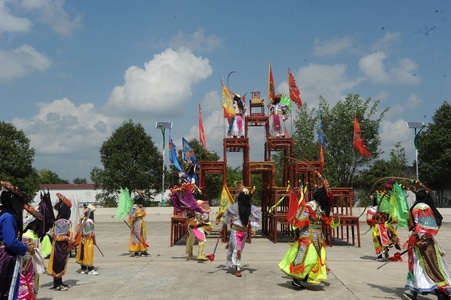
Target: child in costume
(32,265)
(85,251)
(198,227)
(138,235)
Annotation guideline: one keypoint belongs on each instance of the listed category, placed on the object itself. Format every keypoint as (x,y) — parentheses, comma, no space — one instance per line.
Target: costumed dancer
(32,265)
(236,127)
(382,225)
(11,247)
(137,245)
(61,234)
(239,215)
(198,227)
(305,261)
(278,112)
(85,251)
(428,271)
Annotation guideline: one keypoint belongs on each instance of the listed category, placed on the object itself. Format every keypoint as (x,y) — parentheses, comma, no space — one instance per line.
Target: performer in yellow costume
(85,251)
(305,261)
(198,227)
(138,245)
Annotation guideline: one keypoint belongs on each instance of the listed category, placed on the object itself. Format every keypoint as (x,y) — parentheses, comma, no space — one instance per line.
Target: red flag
(358,141)
(293,204)
(271,89)
(201,130)
(295,94)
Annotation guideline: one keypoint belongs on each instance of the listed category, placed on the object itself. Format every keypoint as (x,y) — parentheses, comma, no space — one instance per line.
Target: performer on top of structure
(278,114)
(236,127)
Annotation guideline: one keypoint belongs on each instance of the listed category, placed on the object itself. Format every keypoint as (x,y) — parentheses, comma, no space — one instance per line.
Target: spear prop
(211,257)
(394,258)
(99,250)
(136,235)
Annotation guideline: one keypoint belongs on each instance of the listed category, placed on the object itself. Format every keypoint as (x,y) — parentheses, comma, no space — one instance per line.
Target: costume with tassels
(239,216)
(189,200)
(428,271)
(389,211)
(305,261)
(198,227)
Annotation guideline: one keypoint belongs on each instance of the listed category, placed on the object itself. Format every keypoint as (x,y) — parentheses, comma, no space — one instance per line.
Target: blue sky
(71,72)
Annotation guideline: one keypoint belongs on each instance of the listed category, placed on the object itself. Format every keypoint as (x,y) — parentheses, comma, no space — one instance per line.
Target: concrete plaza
(166,274)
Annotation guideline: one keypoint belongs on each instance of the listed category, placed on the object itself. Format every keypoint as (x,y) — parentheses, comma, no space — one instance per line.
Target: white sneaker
(93,272)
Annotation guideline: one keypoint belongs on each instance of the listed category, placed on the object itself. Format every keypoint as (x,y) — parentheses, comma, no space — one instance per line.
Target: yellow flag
(226,199)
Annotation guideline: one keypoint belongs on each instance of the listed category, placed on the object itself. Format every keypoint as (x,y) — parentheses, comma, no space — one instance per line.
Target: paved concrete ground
(166,274)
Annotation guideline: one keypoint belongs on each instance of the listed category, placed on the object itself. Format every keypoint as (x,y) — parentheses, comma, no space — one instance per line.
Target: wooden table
(348,223)
(179,227)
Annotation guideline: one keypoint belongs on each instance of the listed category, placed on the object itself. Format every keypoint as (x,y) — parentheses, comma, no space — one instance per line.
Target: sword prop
(136,235)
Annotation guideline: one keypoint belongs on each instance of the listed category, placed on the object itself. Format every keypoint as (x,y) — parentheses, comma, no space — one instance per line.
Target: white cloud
(162,88)
(332,47)
(392,132)
(374,67)
(196,42)
(62,127)
(53,14)
(67,137)
(405,73)
(11,23)
(21,62)
(386,42)
(410,104)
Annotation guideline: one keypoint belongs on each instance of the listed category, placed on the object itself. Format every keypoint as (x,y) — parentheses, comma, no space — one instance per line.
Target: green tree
(16,160)
(343,161)
(395,167)
(130,160)
(79,180)
(434,150)
(306,142)
(48,177)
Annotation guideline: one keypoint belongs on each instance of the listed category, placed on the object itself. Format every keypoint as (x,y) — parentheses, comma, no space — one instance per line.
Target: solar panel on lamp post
(163,126)
(415,126)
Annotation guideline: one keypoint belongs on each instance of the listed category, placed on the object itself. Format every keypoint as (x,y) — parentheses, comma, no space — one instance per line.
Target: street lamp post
(415,126)
(163,126)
